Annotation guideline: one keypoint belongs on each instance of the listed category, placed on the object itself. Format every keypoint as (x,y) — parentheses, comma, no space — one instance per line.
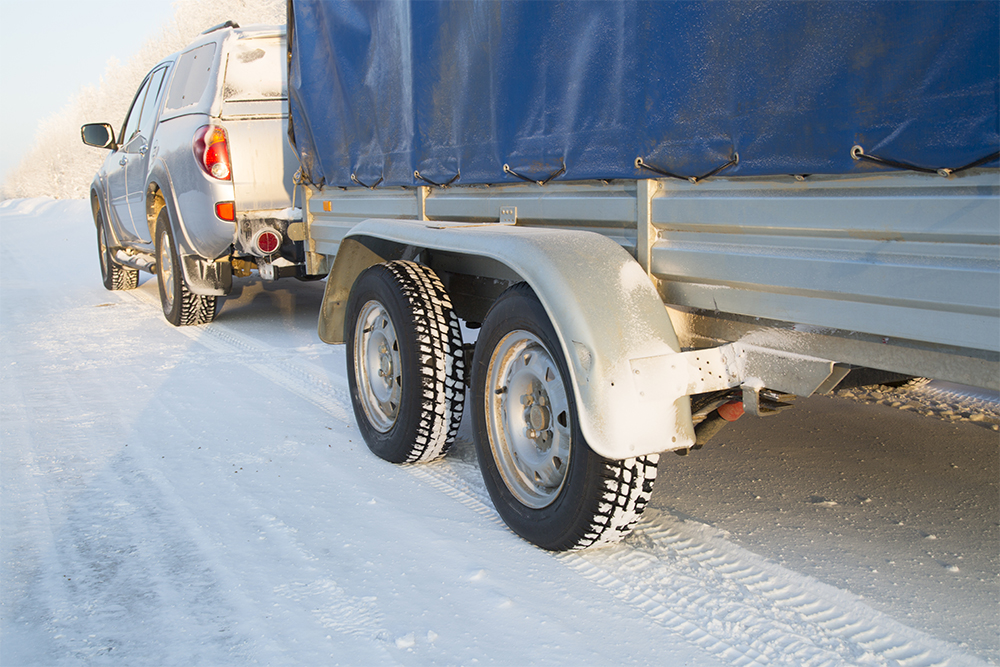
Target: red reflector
(226,210)
(268,242)
(731,411)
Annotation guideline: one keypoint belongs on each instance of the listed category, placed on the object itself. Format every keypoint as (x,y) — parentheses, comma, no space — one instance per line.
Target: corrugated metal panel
(907,257)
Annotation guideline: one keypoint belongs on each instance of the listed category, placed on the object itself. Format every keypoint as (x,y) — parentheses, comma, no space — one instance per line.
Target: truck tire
(545,481)
(181,306)
(405,363)
(114,275)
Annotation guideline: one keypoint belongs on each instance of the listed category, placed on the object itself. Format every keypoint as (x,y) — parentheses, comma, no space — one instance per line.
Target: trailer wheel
(405,365)
(181,306)
(114,275)
(545,481)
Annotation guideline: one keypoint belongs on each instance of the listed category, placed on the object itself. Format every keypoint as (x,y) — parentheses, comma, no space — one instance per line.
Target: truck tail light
(267,242)
(226,210)
(211,151)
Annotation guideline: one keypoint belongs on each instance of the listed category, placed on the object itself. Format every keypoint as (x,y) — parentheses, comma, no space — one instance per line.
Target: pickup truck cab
(198,184)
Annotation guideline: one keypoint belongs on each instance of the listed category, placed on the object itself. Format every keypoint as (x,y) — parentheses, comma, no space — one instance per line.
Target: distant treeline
(60,165)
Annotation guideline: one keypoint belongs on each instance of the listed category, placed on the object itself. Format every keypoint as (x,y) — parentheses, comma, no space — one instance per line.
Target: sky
(42,68)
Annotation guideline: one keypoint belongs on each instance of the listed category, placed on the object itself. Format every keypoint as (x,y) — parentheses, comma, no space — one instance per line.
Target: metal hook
(370,187)
(416,175)
(508,170)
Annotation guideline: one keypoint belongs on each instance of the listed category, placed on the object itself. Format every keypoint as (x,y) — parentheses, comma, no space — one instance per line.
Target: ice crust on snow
(939,400)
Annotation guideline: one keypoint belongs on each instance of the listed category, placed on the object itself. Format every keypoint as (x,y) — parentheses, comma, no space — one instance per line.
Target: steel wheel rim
(528,419)
(377,366)
(166,271)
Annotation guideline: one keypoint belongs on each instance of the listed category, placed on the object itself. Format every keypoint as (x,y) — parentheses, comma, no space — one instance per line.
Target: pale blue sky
(50,49)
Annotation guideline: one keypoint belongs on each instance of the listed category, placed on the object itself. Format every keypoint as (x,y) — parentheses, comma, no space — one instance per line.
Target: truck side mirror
(99,135)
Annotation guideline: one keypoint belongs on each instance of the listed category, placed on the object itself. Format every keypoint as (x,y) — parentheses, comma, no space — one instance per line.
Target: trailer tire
(181,306)
(405,364)
(545,481)
(113,275)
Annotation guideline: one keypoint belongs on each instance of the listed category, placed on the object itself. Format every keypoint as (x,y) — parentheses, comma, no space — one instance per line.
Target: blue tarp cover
(383,89)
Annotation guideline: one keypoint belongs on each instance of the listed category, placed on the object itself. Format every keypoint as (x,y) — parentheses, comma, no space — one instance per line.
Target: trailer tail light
(211,151)
(226,210)
(267,242)
(731,411)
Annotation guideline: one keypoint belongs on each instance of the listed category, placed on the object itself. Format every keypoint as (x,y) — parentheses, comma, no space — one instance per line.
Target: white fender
(603,306)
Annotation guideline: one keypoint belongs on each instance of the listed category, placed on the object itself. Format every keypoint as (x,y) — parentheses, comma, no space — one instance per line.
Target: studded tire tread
(196,308)
(114,276)
(433,361)
(628,485)
(600,499)
(185,308)
(123,277)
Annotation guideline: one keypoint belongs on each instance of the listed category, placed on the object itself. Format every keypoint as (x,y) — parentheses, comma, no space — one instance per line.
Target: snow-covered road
(200,496)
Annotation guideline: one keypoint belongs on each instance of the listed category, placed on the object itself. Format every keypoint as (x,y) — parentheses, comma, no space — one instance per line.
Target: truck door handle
(123,161)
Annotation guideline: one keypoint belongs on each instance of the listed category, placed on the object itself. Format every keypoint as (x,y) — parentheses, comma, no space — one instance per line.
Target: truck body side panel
(904,267)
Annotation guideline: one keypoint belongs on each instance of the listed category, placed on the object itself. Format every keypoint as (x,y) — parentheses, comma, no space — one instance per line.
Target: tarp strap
(641,164)
(365,185)
(416,175)
(508,170)
(858,153)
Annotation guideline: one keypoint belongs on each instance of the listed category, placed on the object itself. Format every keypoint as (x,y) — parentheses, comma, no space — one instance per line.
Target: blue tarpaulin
(379,90)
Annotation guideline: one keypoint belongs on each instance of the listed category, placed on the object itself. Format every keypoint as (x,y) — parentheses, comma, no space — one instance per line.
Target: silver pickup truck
(198,184)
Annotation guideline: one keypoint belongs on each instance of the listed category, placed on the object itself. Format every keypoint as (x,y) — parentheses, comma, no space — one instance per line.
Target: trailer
(651,217)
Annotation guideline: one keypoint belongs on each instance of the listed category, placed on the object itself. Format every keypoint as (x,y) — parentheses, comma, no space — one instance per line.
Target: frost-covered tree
(60,165)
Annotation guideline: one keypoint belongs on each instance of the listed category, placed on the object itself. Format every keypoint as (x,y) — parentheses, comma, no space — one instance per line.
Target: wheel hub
(384,362)
(537,417)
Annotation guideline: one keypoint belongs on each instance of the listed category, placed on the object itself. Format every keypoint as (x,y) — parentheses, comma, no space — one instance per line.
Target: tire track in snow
(282,371)
(697,582)
(960,396)
(334,609)
(729,602)
(941,400)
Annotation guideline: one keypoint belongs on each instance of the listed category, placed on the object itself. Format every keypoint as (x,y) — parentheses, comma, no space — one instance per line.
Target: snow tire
(569,499)
(405,363)
(181,306)
(113,275)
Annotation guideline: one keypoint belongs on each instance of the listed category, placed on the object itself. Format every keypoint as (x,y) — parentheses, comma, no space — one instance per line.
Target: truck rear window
(256,71)
(191,77)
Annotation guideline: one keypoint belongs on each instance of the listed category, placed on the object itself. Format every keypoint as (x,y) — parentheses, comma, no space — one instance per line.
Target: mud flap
(207,278)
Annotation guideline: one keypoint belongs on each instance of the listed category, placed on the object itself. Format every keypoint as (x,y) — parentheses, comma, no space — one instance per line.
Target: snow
(200,496)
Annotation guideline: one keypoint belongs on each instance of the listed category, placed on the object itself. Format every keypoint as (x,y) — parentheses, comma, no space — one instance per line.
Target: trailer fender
(603,306)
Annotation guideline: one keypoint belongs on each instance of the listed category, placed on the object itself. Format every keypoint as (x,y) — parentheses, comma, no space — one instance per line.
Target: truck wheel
(114,275)
(181,307)
(405,363)
(545,481)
